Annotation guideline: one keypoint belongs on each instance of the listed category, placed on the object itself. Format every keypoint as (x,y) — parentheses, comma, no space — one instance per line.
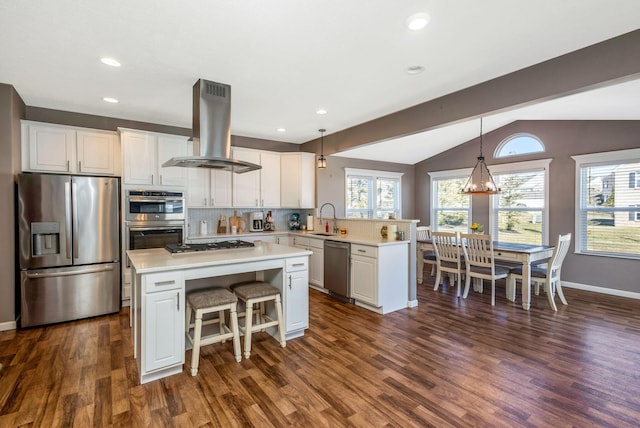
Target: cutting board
(235,220)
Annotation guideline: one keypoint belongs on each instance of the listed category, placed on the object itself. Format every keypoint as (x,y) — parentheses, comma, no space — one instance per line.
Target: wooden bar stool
(259,293)
(206,302)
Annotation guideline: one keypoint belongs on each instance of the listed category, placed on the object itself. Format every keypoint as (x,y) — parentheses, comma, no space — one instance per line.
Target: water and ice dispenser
(45,238)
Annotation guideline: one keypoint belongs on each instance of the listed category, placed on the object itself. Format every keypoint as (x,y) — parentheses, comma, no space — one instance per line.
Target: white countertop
(159,259)
(354,239)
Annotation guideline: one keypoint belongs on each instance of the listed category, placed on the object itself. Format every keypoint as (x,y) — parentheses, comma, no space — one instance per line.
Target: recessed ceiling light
(418,21)
(321,111)
(281,130)
(110,100)
(110,61)
(415,69)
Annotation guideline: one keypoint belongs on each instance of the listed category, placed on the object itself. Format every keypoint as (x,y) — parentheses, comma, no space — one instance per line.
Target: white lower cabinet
(162,307)
(316,260)
(379,276)
(296,296)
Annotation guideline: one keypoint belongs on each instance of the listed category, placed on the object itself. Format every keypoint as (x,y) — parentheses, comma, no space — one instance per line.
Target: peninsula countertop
(351,238)
(160,260)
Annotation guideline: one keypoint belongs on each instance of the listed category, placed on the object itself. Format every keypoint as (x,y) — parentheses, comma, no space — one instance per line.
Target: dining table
(523,254)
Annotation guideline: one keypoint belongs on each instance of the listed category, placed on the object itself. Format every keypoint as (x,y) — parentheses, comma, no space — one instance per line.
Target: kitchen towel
(309,222)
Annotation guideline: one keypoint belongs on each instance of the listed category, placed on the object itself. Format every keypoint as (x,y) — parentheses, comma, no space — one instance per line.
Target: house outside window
(450,208)
(607,201)
(372,194)
(519,213)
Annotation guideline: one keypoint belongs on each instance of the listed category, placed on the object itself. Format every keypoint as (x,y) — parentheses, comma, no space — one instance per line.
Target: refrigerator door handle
(32,275)
(67,217)
(74,199)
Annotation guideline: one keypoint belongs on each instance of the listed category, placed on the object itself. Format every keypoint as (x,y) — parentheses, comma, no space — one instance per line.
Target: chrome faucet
(335,226)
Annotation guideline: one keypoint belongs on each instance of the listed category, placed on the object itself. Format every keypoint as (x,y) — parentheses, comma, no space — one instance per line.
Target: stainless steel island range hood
(212,131)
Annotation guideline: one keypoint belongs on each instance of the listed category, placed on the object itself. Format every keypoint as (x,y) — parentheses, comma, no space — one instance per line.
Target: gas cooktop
(222,245)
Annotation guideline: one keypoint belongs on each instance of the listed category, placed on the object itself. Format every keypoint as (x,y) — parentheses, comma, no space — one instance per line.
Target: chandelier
(480,181)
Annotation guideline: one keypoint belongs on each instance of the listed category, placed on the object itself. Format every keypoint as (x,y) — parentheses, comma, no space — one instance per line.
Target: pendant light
(480,181)
(322,161)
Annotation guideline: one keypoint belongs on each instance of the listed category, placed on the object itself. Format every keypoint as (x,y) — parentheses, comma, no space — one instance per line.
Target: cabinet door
(220,185)
(296,301)
(364,281)
(246,186)
(197,187)
(316,267)
(290,180)
(96,152)
(170,147)
(270,180)
(51,148)
(140,163)
(163,337)
(307,180)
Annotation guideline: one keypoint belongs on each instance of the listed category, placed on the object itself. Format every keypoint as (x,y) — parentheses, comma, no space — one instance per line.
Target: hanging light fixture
(322,161)
(480,181)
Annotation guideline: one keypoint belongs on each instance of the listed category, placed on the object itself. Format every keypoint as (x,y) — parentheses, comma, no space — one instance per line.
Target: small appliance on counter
(269,224)
(294,222)
(256,221)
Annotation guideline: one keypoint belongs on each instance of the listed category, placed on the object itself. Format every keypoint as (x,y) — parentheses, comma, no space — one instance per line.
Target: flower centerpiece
(476,228)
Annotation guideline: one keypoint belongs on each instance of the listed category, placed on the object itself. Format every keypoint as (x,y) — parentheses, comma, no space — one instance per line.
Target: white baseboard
(9,325)
(602,290)
(412,304)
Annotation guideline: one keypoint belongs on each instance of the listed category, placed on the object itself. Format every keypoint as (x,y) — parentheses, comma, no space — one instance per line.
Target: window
(607,201)
(450,208)
(372,194)
(519,144)
(519,213)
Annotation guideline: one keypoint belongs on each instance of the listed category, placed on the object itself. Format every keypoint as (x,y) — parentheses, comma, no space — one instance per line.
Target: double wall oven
(153,219)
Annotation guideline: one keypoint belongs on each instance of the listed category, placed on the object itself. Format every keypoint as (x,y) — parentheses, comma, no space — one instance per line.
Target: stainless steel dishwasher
(337,269)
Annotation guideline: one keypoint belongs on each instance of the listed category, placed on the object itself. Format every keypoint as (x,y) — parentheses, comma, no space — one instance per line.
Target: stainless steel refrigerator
(69,245)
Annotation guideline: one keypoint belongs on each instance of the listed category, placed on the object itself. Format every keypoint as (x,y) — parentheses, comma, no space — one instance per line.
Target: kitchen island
(160,281)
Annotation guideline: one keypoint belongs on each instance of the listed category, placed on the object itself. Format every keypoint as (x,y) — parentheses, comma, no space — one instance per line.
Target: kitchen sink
(324,234)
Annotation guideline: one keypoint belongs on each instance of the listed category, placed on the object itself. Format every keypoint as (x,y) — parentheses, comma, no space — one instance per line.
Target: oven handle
(132,199)
(142,229)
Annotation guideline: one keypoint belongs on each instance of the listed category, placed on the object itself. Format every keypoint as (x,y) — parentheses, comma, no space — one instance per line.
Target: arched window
(519,144)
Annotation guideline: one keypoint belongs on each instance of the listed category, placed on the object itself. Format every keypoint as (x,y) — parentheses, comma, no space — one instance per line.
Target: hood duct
(212,131)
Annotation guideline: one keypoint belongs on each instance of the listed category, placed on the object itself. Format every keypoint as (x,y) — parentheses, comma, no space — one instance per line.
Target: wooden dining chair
(549,276)
(480,263)
(448,257)
(423,233)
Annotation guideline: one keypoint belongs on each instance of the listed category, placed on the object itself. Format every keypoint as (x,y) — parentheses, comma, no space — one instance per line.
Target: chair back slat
(478,250)
(559,253)
(423,233)
(446,246)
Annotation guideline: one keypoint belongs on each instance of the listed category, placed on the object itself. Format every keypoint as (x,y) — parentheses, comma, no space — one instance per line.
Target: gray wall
(11,110)
(562,139)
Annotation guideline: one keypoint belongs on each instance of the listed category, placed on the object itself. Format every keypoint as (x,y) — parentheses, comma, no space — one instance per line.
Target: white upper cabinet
(208,188)
(143,156)
(297,180)
(65,149)
(261,188)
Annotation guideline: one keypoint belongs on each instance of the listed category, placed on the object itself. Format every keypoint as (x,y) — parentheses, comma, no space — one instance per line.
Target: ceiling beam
(612,61)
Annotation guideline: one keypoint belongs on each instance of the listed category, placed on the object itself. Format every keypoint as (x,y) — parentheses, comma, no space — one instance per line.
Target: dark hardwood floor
(448,362)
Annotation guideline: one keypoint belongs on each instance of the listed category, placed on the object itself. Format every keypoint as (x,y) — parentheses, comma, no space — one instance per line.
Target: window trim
(445,175)
(375,174)
(515,167)
(598,159)
(500,146)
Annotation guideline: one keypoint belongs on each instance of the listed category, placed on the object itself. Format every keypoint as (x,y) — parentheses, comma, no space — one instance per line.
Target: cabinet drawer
(316,243)
(364,250)
(296,264)
(162,281)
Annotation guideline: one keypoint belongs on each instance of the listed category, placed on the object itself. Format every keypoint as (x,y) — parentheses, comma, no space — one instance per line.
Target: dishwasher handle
(336,244)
